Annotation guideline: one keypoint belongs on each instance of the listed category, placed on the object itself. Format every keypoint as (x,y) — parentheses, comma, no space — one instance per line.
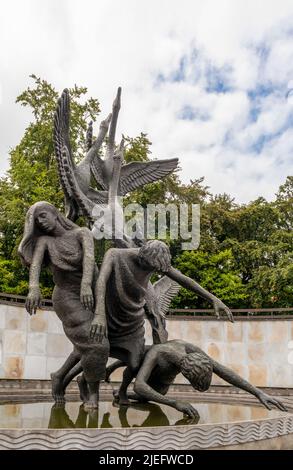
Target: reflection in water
(110,415)
(59,418)
(156,416)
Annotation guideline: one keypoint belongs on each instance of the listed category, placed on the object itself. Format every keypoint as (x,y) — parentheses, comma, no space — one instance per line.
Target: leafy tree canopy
(245,253)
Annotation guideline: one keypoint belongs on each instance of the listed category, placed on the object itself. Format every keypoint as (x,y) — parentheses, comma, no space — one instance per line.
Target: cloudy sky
(207,80)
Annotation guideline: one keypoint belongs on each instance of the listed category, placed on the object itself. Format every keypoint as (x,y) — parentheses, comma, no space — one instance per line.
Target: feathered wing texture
(158,299)
(97,168)
(61,139)
(165,289)
(97,164)
(75,179)
(98,197)
(85,204)
(62,116)
(136,174)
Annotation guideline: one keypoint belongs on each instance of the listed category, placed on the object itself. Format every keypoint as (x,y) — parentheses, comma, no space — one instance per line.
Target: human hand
(218,306)
(33,300)
(269,401)
(187,420)
(187,409)
(86,296)
(98,328)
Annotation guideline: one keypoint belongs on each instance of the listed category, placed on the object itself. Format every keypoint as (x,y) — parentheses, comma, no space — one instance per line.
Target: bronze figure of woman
(68,250)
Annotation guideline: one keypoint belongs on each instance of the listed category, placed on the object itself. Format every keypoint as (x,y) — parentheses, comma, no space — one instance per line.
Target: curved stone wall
(259,350)
(238,435)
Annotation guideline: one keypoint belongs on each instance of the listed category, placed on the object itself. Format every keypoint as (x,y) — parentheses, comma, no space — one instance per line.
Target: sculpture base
(224,424)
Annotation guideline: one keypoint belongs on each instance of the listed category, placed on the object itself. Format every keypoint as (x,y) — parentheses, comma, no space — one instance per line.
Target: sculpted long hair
(198,369)
(156,254)
(32,232)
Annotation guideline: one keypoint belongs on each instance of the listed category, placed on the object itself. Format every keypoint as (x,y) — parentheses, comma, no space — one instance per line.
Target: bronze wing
(158,299)
(165,289)
(96,163)
(136,174)
(85,204)
(61,139)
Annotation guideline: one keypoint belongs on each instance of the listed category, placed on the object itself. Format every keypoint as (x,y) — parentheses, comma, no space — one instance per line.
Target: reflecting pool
(46,415)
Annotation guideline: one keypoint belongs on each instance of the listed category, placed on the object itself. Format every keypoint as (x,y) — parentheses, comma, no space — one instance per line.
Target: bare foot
(57,389)
(92,400)
(59,400)
(58,406)
(134,396)
(90,404)
(83,388)
(123,400)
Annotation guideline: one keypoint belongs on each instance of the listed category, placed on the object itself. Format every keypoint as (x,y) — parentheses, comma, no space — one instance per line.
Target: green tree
(216,272)
(32,175)
(246,250)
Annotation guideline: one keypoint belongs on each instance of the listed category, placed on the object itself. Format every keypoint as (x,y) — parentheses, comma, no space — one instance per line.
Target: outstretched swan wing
(136,174)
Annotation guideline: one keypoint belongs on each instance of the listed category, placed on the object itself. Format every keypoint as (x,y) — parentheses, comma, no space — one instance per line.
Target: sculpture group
(103,311)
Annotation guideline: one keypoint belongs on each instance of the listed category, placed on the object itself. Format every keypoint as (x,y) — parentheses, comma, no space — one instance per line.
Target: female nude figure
(51,239)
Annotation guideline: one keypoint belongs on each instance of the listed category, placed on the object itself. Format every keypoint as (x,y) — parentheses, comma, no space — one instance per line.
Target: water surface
(46,415)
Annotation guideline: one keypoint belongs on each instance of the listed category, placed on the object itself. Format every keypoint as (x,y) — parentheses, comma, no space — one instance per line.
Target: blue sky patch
(262,90)
(218,79)
(188,113)
(259,144)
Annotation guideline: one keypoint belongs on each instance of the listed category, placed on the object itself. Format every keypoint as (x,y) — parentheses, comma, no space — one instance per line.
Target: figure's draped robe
(125,299)
(65,260)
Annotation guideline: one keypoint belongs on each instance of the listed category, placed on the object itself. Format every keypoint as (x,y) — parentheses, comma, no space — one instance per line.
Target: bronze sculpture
(68,250)
(121,291)
(163,362)
(131,176)
(125,274)
(111,323)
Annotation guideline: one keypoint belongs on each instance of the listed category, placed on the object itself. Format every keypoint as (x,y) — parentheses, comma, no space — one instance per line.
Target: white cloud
(109,43)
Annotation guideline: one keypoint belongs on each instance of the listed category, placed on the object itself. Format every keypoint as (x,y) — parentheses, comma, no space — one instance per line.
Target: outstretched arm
(190,284)
(99,323)
(33,300)
(234,379)
(88,266)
